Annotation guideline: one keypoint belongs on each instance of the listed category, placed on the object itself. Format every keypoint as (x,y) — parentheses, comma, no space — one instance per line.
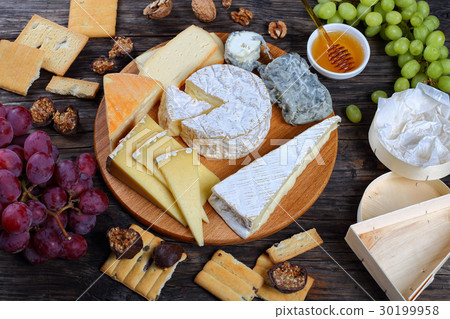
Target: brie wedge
(246,199)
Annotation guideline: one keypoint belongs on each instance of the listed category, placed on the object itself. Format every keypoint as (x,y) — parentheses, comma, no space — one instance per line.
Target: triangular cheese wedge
(128,99)
(180,169)
(246,199)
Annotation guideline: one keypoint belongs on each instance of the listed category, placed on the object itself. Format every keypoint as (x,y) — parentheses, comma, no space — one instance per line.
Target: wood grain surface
(338,273)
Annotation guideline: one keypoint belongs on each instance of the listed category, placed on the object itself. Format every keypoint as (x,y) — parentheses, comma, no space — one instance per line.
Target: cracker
(67,86)
(93,18)
(20,66)
(267,292)
(61,45)
(135,274)
(294,246)
(229,279)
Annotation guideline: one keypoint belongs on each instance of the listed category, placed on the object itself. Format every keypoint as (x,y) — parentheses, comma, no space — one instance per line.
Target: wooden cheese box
(404,249)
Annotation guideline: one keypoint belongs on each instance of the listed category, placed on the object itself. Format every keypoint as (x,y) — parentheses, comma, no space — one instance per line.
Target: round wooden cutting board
(299,199)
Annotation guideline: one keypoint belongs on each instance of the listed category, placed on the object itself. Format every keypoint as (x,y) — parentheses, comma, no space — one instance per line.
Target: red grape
(54,198)
(38,212)
(20,119)
(53,224)
(67,174)
(19,140)
(48,243)
(55,153)
(40,168)
(37,141)
(10,189)
(3,111)
(73,248)
(14,243)
(19,152)
(87,164)
(16,218)
(6,132)
(85,183)
(10,161)
(93,202)
(81,223)
(32,255)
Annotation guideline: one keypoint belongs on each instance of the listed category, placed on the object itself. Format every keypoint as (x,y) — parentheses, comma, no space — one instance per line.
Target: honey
(320,46)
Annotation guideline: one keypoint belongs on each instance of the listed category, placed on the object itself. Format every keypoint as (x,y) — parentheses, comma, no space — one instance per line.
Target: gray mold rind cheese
(297,91)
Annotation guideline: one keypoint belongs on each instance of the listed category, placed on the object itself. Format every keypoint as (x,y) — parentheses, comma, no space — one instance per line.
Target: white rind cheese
(241,119)
(177,106)
(246,199)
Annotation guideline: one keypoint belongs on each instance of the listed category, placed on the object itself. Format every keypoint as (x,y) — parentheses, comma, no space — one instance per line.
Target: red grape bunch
(40,196)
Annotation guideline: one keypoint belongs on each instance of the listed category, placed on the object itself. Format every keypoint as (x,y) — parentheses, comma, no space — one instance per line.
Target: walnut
(42,111)
(66,120)
(226,3)
(101,65)
(204,10)
(122,47)
(243,16)
(158,9)
(277,30)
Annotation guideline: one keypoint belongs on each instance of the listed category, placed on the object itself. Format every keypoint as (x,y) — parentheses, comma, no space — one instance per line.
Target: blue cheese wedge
(246,199)
(243,49)
(297,91)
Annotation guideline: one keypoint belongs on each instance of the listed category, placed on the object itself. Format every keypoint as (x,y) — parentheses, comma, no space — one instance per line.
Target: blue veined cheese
(297,91)
(246,199)
(243,49)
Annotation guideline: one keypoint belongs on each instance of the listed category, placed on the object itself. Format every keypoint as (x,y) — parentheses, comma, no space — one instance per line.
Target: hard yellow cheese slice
(180,169)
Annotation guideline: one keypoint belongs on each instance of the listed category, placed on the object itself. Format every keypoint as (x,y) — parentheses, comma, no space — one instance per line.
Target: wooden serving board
(299,199)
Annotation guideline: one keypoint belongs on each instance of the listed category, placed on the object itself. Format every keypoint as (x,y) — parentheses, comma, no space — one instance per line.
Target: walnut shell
(204,10)
(158,9)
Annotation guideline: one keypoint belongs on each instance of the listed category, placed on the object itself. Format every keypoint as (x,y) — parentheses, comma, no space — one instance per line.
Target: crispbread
(20,66)
(229,279)
(61,45)
(67,86)
(134,273)
(94,18)
(267,292)
(294,246)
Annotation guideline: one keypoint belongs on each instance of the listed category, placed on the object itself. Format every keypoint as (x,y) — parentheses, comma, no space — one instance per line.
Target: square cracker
(267,292)
(20,66)
(294,246)
(94,18)
(61,45)
(67,86)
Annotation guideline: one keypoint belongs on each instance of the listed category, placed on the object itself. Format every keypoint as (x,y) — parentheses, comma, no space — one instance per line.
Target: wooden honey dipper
(338,55)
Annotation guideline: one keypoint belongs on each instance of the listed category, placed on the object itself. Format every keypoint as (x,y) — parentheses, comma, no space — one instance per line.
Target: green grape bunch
(411,33)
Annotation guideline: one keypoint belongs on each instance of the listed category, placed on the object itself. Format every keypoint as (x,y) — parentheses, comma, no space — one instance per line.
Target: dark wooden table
(337,272)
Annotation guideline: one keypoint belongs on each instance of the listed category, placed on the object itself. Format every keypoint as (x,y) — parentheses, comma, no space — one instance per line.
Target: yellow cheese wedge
(180,57)
(121,165)
(180,170)
(128,99)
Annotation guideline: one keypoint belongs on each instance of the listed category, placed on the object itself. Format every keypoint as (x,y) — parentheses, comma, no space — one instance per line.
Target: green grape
(323,1)
(372,31)
(393,17)
(444,84)
(383,33)
(419,78)
(347,11)
(421,33)
(416,47)
(327,10)
(436,39)
(401,45)
(416,20)
(403,59)
(429,24)
(445,66)
(362,11)
(404,3)
(435,70)
(393,32)
(423,8)
(353,22)
(317,8)
(380,10)
(401,84)
(377,94)
(387,5)
(389,49)
(423,66)
(373,19)
(407,15)
(443,52)
(431,53)
(368,3)
(335,19)
(433,19)
(353,113)
(410,69)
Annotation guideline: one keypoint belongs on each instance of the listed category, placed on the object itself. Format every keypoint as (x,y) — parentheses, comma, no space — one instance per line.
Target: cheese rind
(246,199)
